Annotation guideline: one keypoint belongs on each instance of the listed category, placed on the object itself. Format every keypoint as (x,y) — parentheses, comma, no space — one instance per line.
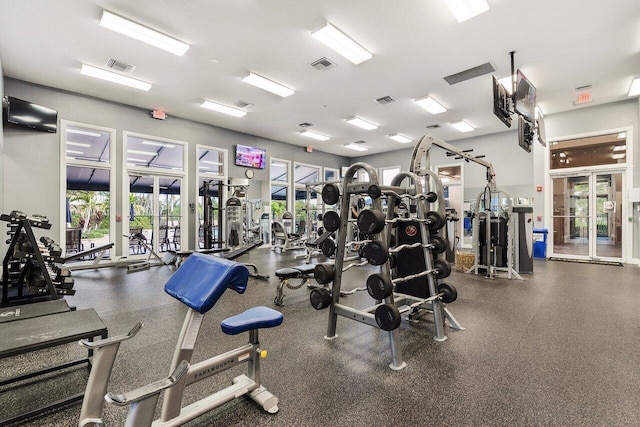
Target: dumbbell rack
(18,224)
(390,301)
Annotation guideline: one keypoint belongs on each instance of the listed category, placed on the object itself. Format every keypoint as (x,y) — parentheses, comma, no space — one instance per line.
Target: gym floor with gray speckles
(561,347)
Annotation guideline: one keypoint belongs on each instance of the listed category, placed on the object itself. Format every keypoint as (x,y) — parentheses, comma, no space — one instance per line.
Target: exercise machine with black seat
(199,284)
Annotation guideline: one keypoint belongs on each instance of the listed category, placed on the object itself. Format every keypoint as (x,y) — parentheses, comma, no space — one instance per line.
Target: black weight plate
(320,298)
(328,247)
(324,273)
(436,221)
(443,268)
(376,252)
(374,191)
(388,317)
(393,260)
(449,293)
(439,245)
(331,221)
(371,221)
(379,286)
(330,194)
(431,197)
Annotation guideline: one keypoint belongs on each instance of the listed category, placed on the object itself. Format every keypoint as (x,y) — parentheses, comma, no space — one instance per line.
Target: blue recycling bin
(540,242)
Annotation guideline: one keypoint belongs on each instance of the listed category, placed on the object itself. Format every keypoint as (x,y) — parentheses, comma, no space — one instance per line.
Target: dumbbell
(324,273)
(431,197)
(388,316)
(331,221)
(330,194)
(47,241)
(320,298)
(328,247)
(376,252)
(371,221)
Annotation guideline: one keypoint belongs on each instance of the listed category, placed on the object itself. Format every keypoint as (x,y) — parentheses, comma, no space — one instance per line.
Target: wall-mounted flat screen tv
(34,116)
(525,98)
(501,103)
(525,134)
(251,157)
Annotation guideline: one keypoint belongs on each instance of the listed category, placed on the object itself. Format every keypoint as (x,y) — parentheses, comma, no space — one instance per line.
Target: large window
(211,177)
(88,183)
(279,176)
(303,175)
(609,149)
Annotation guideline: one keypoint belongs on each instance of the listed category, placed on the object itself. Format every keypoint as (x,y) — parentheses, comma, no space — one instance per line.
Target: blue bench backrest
(202,279)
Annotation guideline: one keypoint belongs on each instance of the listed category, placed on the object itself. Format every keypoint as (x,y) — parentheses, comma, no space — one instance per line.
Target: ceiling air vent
(305,125)
(242,104)
(122,67)
(386,100)
(471,73)
(433,126)
(323,64)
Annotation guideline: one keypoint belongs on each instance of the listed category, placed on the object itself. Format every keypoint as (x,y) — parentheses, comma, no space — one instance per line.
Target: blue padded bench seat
(254,318)
(201,280)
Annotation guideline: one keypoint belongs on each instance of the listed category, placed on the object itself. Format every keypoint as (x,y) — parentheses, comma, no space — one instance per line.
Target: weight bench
(303,272)
(198,283)
(38,326)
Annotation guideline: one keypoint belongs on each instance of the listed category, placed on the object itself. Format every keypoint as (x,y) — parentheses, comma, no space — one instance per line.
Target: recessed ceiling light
(268,85)
(83,132)
(99,73)
(355,147)
(462,126)
(79,144)
(622,135)
(314,135)
(74,152)
(158,144)
(362,123)
(431,105)
(620,148)
(142,33)
(341,43)
(618,156)
(634,90)
(144,153)
(400,138)
(223,109)
(466,9)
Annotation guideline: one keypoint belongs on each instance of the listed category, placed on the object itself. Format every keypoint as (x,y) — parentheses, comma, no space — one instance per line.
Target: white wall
(32,159)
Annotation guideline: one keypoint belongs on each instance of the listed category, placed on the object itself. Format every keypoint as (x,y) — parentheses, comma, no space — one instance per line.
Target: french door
(587,215)
(155,213)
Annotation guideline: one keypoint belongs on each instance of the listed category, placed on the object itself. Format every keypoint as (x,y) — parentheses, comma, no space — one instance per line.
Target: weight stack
(411,261)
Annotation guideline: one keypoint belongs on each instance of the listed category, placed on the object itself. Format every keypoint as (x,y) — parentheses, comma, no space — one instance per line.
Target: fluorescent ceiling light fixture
(341,43)
(83,132)
(400,138)
(268,85)
(622,135)
(144,153)
(137,160)
(223,109)
(79,144)
(431,105)
(209,162)
(314,135)
(618,156)
(355,147)
(99,73)
(466,9)
(634,90)
(362,123)
(158,144)
(144,34)
(462,126)
(620,148)
(74,152)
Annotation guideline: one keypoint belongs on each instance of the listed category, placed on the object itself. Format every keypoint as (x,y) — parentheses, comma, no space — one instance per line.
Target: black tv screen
(501,103)
(250,157)
(525,134)
(525,98)
(24,113)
